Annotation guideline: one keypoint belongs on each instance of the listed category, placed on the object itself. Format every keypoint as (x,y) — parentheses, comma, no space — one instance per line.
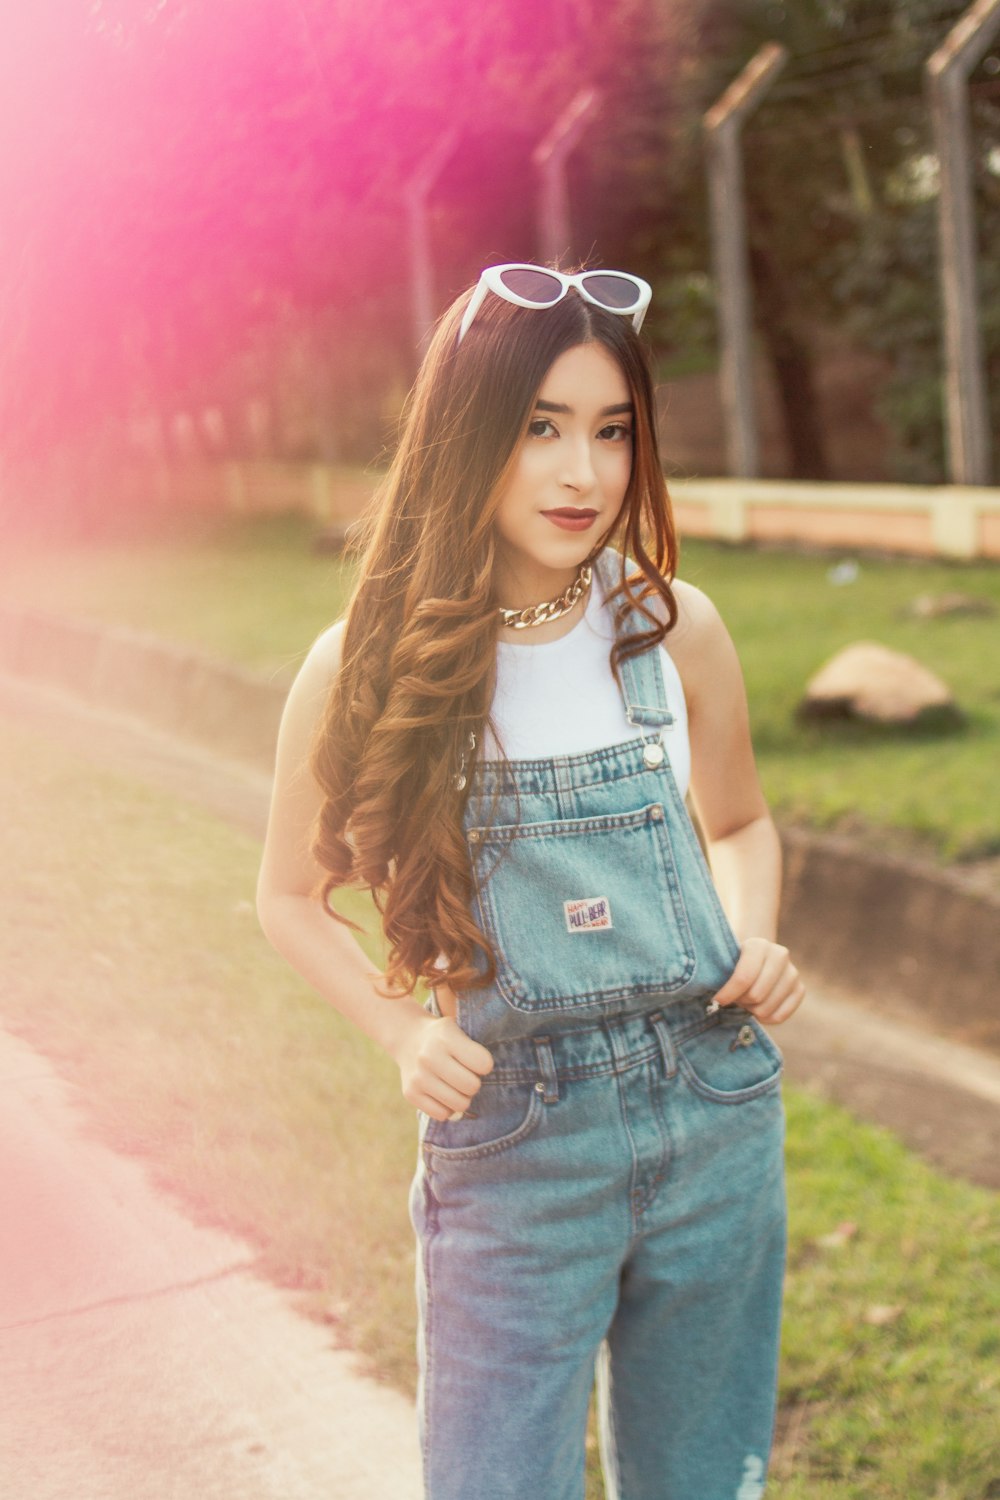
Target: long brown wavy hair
(419,656)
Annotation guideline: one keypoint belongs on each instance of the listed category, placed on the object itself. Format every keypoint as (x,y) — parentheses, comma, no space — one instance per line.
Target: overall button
(656,813)
(653,756)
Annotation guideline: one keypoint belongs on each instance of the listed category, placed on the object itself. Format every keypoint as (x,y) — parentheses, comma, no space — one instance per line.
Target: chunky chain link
(551,609)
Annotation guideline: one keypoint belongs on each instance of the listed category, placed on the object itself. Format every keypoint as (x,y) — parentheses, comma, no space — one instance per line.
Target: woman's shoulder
(318,671)
(326,653)
(695,609)
(698,619)
(699,643)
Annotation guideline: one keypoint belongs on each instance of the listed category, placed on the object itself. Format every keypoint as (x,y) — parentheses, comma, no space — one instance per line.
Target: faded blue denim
(616,1194)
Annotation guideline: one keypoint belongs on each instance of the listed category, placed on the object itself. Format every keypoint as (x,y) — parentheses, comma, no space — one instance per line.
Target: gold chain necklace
(552,609)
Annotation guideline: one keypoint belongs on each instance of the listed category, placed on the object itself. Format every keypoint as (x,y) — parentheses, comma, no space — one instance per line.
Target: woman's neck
(525,586)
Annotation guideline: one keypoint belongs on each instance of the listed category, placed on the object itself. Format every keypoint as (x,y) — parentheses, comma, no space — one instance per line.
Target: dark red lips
(569,519)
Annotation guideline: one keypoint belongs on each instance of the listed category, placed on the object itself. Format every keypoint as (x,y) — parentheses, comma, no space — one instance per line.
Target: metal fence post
(723,124)
(549,159)
(966,406)
(416,192)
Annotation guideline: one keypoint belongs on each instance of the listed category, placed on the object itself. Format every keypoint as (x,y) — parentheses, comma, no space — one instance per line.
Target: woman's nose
(578,467)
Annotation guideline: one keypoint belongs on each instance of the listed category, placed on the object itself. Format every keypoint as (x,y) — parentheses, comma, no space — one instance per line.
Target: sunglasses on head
(539,286)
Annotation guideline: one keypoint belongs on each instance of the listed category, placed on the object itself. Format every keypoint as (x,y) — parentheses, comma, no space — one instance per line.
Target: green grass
(255,591)
(131,955)
(787,619)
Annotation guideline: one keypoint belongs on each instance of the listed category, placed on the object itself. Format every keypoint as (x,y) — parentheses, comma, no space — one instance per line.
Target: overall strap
(644,692)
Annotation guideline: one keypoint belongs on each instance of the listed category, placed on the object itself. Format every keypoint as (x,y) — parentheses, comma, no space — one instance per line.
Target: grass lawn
(255,591)
(131,955)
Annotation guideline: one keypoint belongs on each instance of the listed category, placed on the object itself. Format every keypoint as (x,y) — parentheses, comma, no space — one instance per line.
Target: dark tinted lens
(613,291)
(533,286)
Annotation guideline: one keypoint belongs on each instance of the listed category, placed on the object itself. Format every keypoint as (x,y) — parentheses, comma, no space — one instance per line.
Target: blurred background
(227,226)
(208,241)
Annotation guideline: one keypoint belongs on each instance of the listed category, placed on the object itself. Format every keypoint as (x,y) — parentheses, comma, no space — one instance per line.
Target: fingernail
(458,1115)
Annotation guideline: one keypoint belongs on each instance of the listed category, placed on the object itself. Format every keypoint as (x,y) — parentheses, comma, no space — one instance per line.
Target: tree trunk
(791,362)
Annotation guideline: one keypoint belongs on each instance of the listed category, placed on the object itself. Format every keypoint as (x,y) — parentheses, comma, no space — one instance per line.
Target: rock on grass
(870,682)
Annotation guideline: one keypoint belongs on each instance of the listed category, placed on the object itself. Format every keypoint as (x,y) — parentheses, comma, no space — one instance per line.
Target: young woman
(497,742)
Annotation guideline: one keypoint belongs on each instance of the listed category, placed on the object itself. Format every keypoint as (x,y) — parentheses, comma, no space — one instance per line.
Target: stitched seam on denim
(633,1175)
(577,786)
(694,847)
(587,997)
(665,849)
(429,1236)
(579,758)
(504,833)
(734,1096)
(565,806)
(770,1045)
(491,1148)
(656,1087)
(610,1065)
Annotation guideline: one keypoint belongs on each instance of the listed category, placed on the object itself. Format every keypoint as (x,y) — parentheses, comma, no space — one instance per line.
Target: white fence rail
(957,521)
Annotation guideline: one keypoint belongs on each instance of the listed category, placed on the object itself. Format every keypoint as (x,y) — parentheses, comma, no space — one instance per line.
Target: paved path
(140,1357)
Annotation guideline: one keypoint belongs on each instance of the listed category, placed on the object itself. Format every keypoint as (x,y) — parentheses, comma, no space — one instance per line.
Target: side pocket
(504,1115)
(732,1060)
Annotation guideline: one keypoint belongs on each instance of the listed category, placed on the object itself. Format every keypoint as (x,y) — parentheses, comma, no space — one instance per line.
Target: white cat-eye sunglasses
(540,286)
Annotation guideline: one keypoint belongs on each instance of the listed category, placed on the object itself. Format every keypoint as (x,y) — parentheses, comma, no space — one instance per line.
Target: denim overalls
(616,1191)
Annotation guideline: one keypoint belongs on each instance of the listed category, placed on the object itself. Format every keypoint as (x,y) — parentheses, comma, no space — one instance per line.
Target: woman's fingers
(764,981)
(441,1103)
(748,980)
(445,1071)
(782,999)
(788,1005)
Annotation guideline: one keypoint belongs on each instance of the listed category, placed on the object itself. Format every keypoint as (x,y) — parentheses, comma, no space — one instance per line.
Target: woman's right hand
(440,1067)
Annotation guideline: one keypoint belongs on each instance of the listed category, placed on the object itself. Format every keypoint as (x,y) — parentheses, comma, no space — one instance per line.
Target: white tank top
(559,697)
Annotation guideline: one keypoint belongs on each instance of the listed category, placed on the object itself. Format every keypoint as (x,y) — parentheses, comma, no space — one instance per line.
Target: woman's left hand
(765,981)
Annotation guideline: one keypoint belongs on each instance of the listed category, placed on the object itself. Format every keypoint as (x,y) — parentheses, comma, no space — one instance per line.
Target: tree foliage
(205,200)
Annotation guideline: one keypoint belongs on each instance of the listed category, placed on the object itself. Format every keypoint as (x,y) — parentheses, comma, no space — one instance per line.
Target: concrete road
(141,1358)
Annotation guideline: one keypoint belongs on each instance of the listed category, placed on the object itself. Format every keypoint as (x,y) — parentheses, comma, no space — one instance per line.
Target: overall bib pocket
(501,1115)
(583,911)
(731,1060)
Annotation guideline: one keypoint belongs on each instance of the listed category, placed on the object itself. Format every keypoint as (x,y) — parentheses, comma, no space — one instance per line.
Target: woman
(497,742)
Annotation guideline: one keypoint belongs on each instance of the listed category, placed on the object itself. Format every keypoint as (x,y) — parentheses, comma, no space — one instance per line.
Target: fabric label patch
(589,914)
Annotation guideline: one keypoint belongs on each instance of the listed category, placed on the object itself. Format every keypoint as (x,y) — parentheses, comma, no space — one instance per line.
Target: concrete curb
(174,688)
(907,937)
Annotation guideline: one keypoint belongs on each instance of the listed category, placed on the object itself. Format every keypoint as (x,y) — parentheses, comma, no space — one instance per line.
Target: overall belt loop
(548,1085)
(667,1049)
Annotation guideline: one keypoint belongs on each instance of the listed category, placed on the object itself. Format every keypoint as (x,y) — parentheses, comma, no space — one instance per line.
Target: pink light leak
(203,192)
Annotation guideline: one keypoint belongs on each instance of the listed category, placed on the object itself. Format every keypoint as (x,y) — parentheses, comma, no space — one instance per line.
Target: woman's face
(570,475)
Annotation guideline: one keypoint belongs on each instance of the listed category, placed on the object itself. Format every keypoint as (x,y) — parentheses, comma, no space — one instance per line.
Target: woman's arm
(741,839)
(440,1067)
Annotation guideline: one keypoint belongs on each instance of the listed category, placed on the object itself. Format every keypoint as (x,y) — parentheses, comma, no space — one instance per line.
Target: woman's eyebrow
(567,411)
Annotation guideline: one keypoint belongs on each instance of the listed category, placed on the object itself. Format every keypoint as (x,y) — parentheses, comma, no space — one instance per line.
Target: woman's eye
(540,427)
(618,432)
